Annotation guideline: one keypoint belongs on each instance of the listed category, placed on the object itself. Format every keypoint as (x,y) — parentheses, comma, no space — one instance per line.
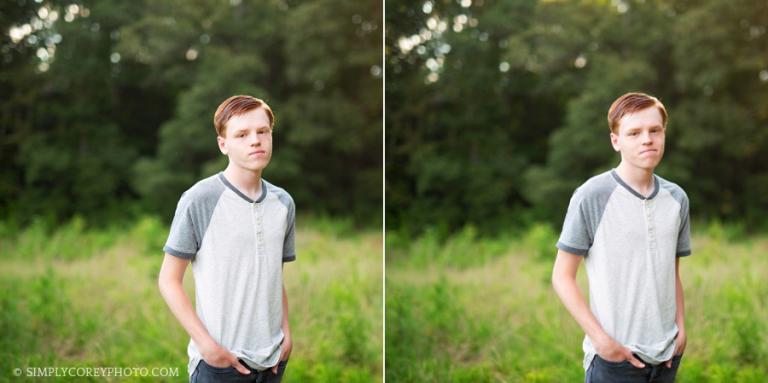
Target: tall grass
(77,296)
(477,310)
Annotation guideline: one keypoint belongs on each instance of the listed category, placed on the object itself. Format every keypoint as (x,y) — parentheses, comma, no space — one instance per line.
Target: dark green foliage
(122,114)
(513,117)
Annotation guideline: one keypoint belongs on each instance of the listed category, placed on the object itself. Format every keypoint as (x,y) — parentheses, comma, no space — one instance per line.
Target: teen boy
(630,227)
(236,230)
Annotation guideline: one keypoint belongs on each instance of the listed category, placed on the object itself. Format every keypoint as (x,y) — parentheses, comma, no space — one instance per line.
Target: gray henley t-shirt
(630,243)
(237,247)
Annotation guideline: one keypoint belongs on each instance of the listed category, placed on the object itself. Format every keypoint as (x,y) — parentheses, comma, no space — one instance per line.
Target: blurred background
(108,106)
(106,118)
(496,112)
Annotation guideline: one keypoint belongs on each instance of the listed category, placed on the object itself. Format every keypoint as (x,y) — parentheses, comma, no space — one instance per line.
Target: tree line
(107,106)
(496,110)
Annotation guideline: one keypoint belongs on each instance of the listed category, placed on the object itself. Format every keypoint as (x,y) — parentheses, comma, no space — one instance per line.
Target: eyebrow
(636,128)
(241,130)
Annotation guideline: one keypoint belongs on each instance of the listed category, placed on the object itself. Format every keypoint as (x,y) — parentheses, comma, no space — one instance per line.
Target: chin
(253,167)
(645,165)
(258,167)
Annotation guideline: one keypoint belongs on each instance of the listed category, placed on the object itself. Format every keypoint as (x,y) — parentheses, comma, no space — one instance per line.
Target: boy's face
(248,141)
(640,138)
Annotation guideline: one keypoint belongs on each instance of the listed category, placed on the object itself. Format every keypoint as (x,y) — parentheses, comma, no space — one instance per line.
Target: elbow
(559,280)
(555,280)
(163,282)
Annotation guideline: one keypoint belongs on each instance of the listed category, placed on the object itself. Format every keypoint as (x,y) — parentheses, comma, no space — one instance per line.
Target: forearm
(573,300)
(286,326)
(679,303)
(181,307)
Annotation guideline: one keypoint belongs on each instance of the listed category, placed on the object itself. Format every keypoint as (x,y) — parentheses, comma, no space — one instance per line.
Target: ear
(222,144)
(615,142)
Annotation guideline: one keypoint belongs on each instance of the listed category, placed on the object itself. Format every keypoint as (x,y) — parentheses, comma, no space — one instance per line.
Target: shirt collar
(241,194)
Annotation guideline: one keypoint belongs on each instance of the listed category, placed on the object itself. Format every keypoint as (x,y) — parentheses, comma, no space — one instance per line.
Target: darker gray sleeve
(584,214)
(684,236)
(289,245)
(182,240)
(575,238)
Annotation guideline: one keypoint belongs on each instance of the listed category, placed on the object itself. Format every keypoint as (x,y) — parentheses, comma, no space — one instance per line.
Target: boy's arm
(287,345)
(171,287)
(564,282)
(681,339)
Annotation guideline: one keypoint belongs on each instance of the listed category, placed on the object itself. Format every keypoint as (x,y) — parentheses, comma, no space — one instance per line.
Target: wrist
(603,341)
(208,347)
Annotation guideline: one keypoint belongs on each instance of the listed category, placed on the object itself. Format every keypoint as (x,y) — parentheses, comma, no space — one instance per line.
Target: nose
(647,138)
(256,140)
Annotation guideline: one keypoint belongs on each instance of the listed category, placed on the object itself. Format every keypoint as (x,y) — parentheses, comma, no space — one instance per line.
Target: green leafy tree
(495,117)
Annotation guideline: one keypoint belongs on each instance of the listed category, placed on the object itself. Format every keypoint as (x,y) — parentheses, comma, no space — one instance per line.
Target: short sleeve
(575,238)
(182,241)
(289,245)
(684,236)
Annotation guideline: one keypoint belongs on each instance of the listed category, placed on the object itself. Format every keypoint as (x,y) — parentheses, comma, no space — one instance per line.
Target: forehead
(645,118)
(252,119)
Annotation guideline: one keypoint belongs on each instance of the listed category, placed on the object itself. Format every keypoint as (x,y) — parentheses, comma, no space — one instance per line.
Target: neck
(247,181)
(638,178)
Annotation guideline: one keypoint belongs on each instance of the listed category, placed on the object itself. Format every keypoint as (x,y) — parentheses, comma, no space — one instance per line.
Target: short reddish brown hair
(630,103)
(235,106)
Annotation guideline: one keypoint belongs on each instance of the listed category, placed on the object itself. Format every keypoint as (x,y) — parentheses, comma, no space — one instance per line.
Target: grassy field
(471,310)
(80,297)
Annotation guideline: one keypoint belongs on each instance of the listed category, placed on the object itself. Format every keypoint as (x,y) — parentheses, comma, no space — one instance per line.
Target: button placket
(258,227)
(651,227)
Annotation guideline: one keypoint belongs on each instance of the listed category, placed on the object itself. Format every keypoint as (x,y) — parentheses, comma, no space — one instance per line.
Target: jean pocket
(610,363)
(215,369)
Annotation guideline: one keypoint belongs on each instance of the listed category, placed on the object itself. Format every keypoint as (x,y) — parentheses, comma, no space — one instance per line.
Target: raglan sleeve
(289,245)
(684,235)
(182,240)
(575,238)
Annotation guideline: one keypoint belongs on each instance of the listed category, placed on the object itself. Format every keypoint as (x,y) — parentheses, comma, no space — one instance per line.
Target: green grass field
(79,297)
(472,310)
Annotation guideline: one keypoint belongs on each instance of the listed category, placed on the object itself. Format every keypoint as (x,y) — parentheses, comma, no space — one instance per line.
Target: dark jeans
(205,373)
(603,371)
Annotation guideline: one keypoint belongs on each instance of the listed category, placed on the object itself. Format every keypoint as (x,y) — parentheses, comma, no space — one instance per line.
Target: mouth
(649,151)
(257,153)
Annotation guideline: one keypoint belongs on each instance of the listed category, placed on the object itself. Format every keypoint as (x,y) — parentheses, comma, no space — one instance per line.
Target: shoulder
(205,192)
(281,194)
(674,189)
(597,188)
